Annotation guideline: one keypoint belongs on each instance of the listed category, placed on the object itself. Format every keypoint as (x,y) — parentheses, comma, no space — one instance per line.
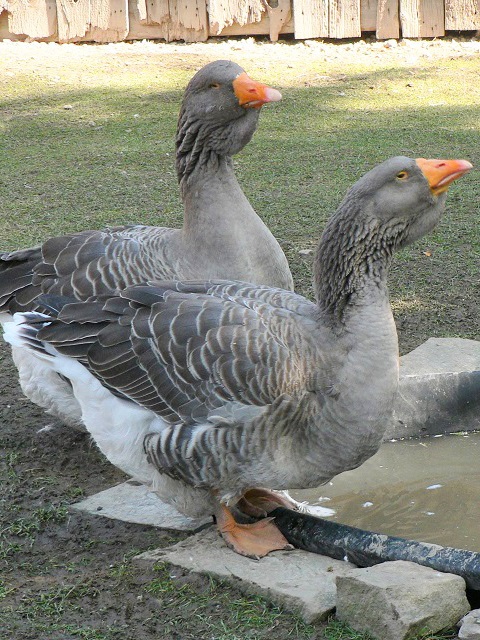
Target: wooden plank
(158,11)
(188,20)
(388,20)
(5,32)
(169,19)
(344,19)
(261,28)
(224,13)
(139,29)
(34,18)
(141,8)
(462,15)
(73,19)
(368,15)
(278,15)
(432,18)
(99,14)
(410,18)
(310,19)
(191,15)
(109,21)
(422,18)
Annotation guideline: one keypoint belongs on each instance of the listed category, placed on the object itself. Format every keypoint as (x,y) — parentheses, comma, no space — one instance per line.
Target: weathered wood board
(34,18)
(344,19)
(462,15)
(158,11)
(368,15)
(197,20)
(432,18)
(73,19)
(109,23)
(224,13)
(310,19)
(264,27)
(388,20)
(141,24)
(422,18)
(188,20)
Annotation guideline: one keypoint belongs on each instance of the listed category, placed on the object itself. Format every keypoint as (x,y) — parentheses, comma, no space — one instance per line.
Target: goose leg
(252,540)
(259,502)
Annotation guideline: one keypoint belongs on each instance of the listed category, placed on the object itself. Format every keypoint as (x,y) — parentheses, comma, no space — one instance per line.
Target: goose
(216,394)
(222,236)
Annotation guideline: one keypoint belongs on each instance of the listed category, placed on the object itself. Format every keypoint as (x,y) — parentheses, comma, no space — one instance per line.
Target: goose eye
(402,175)
(215,85)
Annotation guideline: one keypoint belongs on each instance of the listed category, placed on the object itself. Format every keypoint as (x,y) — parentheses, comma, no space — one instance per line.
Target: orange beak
(251,94)
(441,173)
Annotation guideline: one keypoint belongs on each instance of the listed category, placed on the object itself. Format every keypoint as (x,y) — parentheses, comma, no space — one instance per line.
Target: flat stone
(398,600)
(132,502)
(470,626)
(296,580)
(439,389)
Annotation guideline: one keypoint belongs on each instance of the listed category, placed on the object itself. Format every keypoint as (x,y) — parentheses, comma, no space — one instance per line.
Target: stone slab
(132,502)
(399,600)
(439,390)
(470,626)
(296,580)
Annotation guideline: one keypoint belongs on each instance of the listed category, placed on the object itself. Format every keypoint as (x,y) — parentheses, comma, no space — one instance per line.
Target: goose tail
(22,331)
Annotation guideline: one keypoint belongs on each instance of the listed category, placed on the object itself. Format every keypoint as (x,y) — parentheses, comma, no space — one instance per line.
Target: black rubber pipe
(365,549)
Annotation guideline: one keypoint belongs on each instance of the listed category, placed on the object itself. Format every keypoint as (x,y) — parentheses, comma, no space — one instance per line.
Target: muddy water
(425,490)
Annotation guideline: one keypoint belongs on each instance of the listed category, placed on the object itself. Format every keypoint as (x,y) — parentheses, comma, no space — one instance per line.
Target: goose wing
(184,350)
(83,264)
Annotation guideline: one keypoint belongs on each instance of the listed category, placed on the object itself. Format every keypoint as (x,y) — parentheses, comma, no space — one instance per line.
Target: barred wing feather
(186,352)
(85,264)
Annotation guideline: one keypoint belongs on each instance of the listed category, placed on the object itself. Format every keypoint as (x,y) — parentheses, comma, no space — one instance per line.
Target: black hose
(364,548)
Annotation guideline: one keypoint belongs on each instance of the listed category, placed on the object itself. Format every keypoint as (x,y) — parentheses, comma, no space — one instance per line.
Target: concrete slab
(296,580)
(399,600)
(439,389)
(132,502)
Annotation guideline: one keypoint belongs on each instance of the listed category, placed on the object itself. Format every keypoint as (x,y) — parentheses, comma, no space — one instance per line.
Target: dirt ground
(67,575)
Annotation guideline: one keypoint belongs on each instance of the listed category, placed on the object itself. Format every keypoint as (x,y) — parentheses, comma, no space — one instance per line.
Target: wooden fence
(197,20)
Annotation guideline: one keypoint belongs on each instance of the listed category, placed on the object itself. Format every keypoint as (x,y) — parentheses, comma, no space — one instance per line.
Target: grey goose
(212,393)
(222,236)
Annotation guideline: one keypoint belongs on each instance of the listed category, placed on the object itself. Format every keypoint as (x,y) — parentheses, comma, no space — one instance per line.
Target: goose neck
(352,264)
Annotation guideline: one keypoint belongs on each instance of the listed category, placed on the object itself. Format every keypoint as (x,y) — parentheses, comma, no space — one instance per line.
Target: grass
(87,140)
(100,152)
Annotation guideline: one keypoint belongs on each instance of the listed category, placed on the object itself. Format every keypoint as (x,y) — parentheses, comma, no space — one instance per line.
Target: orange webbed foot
(253,540)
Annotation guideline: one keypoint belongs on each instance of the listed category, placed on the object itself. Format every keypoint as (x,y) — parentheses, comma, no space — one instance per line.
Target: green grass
(215,606)
(29,526)
(109,159)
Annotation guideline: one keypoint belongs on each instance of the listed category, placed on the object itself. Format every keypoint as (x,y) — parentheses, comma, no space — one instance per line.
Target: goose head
(405,197)
(391,206)
(220,110)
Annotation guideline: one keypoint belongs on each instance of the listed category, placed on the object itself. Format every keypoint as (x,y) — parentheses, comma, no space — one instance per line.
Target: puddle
(426,490)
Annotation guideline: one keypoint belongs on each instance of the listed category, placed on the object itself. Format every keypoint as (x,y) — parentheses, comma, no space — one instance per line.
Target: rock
(470,626)
(439,389)
(296,580)
(133,502)
(398,600)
